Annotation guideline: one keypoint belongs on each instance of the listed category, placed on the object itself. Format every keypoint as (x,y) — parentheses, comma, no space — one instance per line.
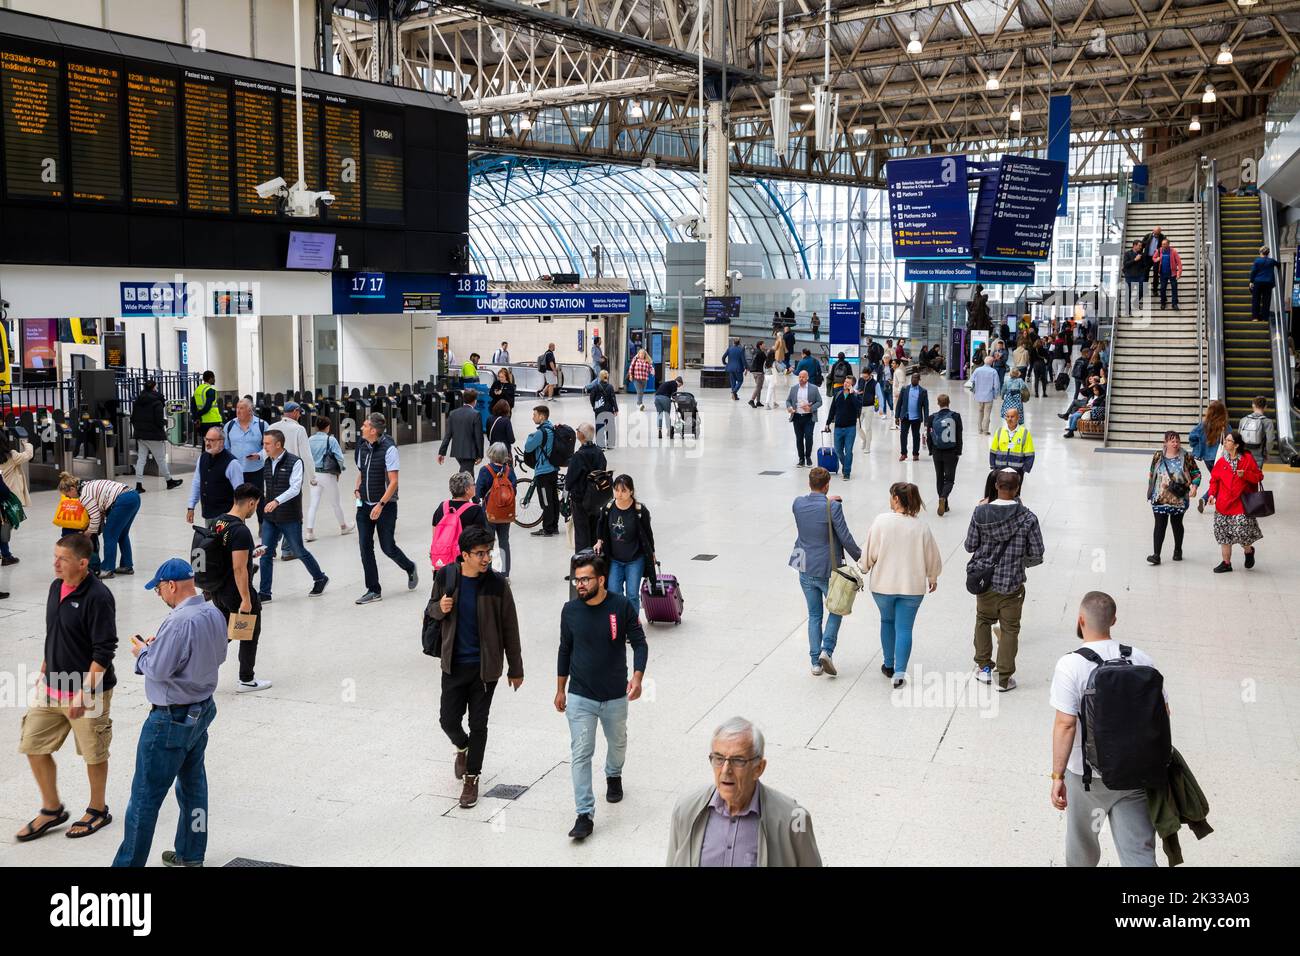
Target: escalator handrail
(1214,288)
(1277,335)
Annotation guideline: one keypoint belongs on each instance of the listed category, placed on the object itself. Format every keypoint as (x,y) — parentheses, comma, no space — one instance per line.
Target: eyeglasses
(481,555)
(585,580)
(738,763)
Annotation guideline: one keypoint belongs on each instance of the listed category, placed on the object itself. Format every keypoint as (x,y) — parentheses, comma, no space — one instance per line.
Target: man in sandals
(75,689)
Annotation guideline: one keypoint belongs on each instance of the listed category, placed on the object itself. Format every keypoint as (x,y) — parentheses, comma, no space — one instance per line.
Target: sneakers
(264,598)
(290,556)
(817,670)
(105,575)
(175,483)
(169,858)
(8,562)
(827,664)
(984,675)
(248,686)
(413,580)
(886,670)
(318,588)
(613,789)
(903,457)
(129,571)
(1223,567)
(539,533)
(1250,559)
(462,757)
(899,681)
(1153,559)
(140,489)
(469,793)
(1009,685)
(309,534)
(347,529)
(370,597)
(582,827)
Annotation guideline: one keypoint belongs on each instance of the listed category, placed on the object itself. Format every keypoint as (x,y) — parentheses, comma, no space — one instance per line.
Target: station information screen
(151,140)
(343,159)
(255,147)
(95,131)
(310,137)
(30,90)
(207,144)
(384,200)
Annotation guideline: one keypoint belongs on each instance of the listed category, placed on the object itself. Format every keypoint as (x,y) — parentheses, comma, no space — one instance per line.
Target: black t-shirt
(235,536)
(624,534)
(759,362)
(548,359)
(668,389)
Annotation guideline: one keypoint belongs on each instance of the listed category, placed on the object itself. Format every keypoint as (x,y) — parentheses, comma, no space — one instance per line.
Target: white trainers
(984,675)
(826,664)
(347,529)
(309,535)
(817,670)
(247,687)
(1010,685)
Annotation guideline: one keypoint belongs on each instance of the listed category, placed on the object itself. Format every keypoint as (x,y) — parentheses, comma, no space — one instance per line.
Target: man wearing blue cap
(180,667)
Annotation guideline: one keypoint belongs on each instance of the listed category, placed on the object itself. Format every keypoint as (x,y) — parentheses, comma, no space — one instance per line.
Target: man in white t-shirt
(1130,822)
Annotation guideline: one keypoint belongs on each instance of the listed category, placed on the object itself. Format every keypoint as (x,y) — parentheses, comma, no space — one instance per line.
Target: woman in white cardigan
(903,559)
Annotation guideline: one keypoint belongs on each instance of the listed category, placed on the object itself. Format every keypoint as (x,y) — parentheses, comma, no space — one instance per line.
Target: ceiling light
(1225,55)
(914,43)
(807,107)
(860,153)
(991,84)
(1247,3)
(1209,96)
(1015,113)
(525,124)
(860,130)
(1195,124)
(587,129)
(634,110)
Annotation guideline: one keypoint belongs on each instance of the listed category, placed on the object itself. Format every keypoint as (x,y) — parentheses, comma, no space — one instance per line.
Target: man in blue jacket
(545,474)
(734,360)
(910,409)
(819,520)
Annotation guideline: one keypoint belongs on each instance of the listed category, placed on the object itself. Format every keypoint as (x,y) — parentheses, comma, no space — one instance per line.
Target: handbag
(846,580)
(1257,503)
(11,510)
(981,579)
(1175,490)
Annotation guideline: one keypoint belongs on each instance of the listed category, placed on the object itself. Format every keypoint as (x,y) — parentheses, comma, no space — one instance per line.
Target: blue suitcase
(827,459)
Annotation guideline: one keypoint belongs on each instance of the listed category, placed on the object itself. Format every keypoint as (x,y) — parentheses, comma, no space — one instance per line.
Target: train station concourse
(648,434)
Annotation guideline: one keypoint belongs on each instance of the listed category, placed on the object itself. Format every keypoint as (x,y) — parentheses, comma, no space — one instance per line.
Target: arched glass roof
(531,217)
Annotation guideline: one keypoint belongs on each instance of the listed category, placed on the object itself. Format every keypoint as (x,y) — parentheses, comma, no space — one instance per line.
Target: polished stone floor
(342,760)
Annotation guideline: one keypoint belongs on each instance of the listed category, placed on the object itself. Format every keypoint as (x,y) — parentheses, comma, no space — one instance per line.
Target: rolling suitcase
(827,459)
(662,600)
(1062,381)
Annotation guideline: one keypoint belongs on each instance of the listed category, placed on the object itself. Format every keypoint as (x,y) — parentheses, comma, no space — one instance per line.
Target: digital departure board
(29,87)
(384,200)
(310,137)
(343,160)
(151,139)
(95,132)
(207,144)
(255,147)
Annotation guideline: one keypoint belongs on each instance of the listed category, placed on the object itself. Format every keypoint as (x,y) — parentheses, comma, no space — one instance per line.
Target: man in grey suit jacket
(802,404)
(911,408)
(815,515)
(736,821)
(464,435)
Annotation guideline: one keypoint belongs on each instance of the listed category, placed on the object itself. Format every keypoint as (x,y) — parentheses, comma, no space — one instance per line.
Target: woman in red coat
(1234,474)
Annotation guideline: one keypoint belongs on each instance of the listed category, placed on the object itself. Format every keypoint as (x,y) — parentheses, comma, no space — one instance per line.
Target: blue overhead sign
(1024,209)
(1058,142)
(389,293)
(536,303)
(162,299)
(846,327)
(929,214)
(992,273)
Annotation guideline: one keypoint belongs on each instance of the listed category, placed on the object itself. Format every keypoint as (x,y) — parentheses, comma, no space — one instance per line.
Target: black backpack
(210,558)
(599,489)
(542,364)
(1125,723)
(431,628)
(566,440)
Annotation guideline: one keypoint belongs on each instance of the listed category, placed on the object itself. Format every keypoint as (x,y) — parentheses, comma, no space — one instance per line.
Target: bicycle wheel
(528,504)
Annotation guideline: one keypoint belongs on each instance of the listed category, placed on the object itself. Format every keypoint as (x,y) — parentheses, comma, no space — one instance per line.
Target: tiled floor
(342,761)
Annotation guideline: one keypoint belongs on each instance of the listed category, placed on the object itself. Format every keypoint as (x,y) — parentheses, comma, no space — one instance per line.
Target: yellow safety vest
(213,414)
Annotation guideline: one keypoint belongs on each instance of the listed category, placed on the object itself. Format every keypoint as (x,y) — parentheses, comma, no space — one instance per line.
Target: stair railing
(1123,196)
(1277,334)
(1212,330)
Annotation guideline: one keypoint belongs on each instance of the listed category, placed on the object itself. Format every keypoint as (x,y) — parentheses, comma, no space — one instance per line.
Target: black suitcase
(1062,381)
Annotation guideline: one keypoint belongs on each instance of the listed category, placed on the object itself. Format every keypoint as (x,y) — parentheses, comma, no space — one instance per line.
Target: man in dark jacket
(840,370)
(587,458)
(734,361)
(478,629)
(149,425)
(943,435)
(464,435)
(216,476)
(758,368)
(1005,536)
(911,408)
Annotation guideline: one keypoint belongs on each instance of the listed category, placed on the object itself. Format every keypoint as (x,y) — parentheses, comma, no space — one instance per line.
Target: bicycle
(528,504)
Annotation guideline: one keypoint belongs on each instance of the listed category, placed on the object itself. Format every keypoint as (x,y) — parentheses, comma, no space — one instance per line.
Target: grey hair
(498,453)
(460,483)
(740,727)
(377,421)
(244,401)
(586,431)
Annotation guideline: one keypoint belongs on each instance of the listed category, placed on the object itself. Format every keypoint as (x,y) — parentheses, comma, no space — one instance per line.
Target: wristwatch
(1057,776)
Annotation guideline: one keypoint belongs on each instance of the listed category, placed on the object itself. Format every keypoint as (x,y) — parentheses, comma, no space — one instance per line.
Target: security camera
(306,203)
(272,187)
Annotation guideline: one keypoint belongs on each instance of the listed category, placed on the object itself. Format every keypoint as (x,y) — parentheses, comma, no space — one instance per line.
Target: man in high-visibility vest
(1012,445)
(203,407)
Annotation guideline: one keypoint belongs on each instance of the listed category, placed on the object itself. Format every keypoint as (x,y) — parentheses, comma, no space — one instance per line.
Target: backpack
(566,439)
(1125,724)
(816,377)
(599,489)
(531,457)
(1253,431)
(542,365)
(210,557)
(943,432)
(431,628)
(445,548)
(500,502)
(1080,368)
(71,514)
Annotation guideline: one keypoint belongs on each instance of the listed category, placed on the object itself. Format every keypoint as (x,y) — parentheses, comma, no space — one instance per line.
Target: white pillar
(717,144)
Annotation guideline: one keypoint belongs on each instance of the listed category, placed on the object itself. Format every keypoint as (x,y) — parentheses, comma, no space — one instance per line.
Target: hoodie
(1005,535)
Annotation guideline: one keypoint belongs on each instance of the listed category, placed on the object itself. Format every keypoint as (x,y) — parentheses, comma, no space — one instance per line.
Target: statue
(977,310)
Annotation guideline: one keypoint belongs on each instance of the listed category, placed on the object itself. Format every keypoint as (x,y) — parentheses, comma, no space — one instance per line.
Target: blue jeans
(170,749)
(844,447)
(664,412)
(897,615)
(886,396)
(292,533)
(1073,423)
(117,529)
(625,579)
(737,379)
(1168,282)
(819,638)
(582,714)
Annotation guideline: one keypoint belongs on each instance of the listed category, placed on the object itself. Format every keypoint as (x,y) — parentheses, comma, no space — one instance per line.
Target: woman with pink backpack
(452,517)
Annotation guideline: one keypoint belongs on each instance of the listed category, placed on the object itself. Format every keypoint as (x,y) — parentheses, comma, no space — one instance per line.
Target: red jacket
(1228,484)
(1175,263)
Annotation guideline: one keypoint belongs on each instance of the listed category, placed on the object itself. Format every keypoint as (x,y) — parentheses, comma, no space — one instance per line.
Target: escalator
(1247,347)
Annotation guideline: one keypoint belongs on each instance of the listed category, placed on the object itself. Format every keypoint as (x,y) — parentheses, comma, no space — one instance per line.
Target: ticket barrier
(40,476)
(269,408)
(384,404)
(355,409)
(97,444)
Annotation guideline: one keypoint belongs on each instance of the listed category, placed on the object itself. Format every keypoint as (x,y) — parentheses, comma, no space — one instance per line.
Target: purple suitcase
(662,601)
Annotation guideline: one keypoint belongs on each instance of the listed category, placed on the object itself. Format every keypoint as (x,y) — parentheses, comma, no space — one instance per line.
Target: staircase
(1157,372)
(1247,358)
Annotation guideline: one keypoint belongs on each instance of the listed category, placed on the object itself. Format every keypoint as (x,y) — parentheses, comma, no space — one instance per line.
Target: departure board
(29,87)
(384,199)
(343,160)
(207,144)
(310,137)
(255,147)
(151,139)
(95,132)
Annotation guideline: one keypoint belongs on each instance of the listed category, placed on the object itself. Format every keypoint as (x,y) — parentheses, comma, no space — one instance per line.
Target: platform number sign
(471,285)
(368,285)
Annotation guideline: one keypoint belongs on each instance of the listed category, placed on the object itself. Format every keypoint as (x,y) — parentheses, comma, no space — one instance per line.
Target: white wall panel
(87,12)
(156,19)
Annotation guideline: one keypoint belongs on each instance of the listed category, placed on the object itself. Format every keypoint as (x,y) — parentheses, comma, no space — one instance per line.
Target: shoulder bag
(981,578)
(1257,503)
(846,580)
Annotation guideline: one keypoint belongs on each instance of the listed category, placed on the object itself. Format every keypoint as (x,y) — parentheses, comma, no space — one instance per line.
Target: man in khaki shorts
(75,690)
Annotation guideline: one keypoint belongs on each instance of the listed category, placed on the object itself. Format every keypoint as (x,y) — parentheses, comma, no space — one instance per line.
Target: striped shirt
(98,496)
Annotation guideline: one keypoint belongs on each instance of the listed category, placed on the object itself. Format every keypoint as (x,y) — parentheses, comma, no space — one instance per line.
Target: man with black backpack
(223,570)
(546,364)
(1110,740)
(943,438)
(589,483)
(541,445)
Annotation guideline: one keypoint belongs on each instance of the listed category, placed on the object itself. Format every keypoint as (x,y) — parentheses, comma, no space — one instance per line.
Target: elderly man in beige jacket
(736,821)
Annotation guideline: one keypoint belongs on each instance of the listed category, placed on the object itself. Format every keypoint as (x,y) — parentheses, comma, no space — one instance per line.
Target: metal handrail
(1277,334)
(1124,188)
(1202,285)
(1213,332)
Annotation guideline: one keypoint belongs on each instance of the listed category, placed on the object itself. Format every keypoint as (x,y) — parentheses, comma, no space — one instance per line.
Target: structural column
(717,144)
